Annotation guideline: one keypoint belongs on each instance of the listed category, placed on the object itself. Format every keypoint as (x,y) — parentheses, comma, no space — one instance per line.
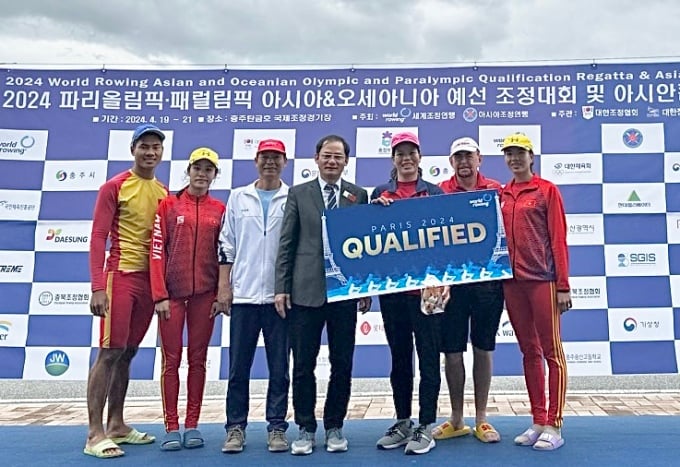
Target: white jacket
(252,249)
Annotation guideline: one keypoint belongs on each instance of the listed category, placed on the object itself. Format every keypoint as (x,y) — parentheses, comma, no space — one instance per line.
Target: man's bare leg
(482,369)
(115,425)
(454,369)
(98,384)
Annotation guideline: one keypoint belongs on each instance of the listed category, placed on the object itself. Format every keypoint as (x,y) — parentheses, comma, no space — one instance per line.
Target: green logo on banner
(633,196)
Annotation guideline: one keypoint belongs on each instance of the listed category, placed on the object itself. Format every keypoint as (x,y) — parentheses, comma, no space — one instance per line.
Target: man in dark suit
(301,292)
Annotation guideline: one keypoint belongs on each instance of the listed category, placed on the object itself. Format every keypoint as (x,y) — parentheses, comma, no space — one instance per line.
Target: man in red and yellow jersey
(121,291)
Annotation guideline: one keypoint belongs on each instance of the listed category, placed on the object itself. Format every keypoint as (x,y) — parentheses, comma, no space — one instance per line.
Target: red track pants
(195,311)
(532,307)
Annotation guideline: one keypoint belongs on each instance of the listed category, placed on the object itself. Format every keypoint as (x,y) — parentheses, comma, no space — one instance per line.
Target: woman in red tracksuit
(184,269)
(535,225)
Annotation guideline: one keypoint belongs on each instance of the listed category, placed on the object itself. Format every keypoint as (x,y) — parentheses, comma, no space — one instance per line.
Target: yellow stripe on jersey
(138,200)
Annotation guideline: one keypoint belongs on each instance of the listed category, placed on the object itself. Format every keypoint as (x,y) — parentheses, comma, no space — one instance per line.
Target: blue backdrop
(607,134)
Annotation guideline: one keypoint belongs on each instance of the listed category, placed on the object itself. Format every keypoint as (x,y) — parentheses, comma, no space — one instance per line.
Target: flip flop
(193,439)
(135,437)
(172,441)
(98,450)
(481,432)
(447,431)
(548,442)
(528,438)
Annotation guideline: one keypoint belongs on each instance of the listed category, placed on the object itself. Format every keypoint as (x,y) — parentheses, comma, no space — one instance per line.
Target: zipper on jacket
(512,228)
(264,248)
(193,269)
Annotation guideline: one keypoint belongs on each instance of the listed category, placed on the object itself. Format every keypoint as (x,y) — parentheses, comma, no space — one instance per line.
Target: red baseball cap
(405,137)
(271,145)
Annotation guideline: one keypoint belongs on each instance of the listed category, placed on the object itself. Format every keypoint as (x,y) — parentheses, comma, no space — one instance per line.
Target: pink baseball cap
(405,137)
(271,145)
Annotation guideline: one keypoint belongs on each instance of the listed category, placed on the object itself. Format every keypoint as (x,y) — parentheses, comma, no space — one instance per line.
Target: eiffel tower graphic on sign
(501,248)
(332,269)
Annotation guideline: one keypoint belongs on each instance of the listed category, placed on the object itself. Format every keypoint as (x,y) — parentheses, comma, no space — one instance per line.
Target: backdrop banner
(607,134)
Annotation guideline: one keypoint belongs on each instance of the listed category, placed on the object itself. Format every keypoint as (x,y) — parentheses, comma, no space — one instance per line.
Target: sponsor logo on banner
(13,330)
(180,179)
(636,260)
(470,114)
(621,138)
(399,117)
(376,142)
(370,330)
(632,138)
(23,145)
(57,363)
(119,145)
(653,112)
(74,175)
(19,205)
(637,324)
(588,111)
(491,137)
(672,167)
(5,327)
(589,293)
(642,198)
(305,170)
(565,169)
(436,168)
(61,298)
(68,363)
(585,229)
(63,236)
(16,266)
(246,142)
(588,358)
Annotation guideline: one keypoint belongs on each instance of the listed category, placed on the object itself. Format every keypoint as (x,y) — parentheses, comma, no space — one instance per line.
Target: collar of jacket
(421,186)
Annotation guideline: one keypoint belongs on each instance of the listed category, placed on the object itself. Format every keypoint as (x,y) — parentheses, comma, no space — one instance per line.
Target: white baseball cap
(464,144)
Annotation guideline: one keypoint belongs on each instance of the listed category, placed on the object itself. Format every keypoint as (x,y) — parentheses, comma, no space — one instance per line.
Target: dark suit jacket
(300,264)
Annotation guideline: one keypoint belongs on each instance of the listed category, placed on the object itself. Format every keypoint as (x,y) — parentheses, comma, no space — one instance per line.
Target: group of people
(259,259)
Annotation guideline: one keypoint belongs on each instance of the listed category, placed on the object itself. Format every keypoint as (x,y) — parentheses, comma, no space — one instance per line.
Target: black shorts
(474,310)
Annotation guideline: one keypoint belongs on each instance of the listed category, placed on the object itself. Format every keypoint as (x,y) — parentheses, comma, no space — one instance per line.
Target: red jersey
(536,229)
(123,213)
(451,185)
(184,246)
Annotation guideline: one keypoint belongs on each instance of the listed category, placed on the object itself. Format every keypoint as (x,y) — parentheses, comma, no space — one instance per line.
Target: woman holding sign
(535,225)
(405,318)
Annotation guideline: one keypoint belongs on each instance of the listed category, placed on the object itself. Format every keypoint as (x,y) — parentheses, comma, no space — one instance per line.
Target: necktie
(331,202)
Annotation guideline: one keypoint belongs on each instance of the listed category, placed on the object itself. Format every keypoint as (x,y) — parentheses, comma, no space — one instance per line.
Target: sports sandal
(486,433)
(193,439)
(530,436)
(99,450)
(172,441)
(447,431)
(550,440)
(135,437)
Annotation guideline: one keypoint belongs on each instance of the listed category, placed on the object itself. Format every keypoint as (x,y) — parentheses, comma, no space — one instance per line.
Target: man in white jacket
(247,254)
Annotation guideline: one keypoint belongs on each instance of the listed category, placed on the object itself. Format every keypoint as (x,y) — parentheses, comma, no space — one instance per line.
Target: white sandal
(529,437)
